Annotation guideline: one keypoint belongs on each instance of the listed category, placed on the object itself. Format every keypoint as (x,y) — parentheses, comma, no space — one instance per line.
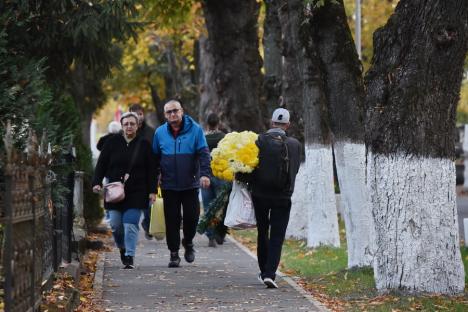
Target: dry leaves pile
(59,296)
(64,292)
(88,300)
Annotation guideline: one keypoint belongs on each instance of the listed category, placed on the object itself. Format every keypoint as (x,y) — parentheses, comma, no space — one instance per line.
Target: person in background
(184,161)
(127,158)
(213,135)
(272,186)
(113,128)
(147,133)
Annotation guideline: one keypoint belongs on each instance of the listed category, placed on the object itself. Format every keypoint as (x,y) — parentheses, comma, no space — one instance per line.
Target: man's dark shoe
(122,256)
(148,236)
(174,262)
(219,239)
(189,254)
(211,242)
(129,262)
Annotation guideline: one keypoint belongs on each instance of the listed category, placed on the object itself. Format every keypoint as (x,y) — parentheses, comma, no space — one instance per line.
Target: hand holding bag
(157,226)
(240,213)
(114,192)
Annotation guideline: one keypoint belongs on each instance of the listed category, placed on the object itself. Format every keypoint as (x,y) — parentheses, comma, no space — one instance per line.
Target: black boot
(174,262)
(211,242)
(189,254)
(129,262)
(122,256)
(219,239)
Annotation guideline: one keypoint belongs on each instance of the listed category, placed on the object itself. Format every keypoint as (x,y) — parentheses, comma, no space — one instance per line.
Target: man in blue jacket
(184,163)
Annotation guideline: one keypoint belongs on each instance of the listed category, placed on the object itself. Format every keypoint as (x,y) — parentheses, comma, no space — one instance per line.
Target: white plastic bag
(240,213)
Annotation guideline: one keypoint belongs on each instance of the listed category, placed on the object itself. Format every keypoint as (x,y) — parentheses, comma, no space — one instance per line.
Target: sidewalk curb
(99,277)
(289,280)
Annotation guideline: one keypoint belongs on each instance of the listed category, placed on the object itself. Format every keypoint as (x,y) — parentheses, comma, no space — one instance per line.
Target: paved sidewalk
(220,279)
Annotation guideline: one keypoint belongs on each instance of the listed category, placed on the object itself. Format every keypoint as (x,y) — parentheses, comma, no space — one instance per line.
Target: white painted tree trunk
(416,224)
(322,228)
(297,227)
(351,169)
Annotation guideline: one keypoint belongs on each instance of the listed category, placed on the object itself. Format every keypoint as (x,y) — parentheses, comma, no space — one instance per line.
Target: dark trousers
(173,200)
(272,220)
(145,223)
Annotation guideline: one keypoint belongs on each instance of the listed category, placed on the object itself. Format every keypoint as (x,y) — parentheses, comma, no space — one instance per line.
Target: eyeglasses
(129,124)
(172,111)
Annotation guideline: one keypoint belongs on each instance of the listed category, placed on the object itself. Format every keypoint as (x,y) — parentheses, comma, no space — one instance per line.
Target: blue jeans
(208,195)
(124,227)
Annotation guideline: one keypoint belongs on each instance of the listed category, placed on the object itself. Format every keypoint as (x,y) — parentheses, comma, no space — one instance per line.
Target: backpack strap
(283,138)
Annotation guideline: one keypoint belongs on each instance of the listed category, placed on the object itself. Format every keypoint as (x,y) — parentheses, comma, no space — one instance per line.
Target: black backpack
(273,170)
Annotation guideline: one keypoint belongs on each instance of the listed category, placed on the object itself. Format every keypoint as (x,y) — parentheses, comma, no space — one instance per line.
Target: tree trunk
(272,58)
(323,219)
(233,36)
(87,95)
(289,13)
(345,95)
(300,205)
(157,103)
(85,120)
(209,101)
(413,88)
(289,16)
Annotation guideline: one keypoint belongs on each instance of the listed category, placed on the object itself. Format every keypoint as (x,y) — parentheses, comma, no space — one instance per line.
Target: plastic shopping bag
(240,213)
(157,226)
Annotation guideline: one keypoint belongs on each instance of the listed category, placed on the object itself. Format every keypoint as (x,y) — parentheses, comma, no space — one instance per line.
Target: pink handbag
(114,192)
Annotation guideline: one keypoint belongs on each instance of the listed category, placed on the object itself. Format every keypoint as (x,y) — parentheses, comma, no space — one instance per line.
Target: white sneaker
(270,283)
(260,279)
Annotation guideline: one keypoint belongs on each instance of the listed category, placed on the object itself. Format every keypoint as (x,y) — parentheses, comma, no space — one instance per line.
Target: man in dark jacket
(184,162)
(272,203)
(146,132)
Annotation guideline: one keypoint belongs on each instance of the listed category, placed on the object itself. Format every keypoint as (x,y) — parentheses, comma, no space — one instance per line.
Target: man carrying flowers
(184,164)
(272,185)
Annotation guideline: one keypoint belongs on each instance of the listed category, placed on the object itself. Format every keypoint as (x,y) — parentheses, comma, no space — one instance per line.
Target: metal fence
(33,229)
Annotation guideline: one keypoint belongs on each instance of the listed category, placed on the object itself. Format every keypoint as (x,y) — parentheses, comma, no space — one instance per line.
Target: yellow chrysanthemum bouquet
(235,156)
(236,153)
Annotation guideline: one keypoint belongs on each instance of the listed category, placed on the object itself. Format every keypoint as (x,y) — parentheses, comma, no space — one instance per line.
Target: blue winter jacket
(182,159)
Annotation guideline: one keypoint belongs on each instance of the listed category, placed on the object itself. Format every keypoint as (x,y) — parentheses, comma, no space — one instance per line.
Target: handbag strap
(132,160)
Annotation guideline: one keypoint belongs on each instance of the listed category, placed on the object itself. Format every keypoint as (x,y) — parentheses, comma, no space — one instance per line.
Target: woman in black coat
(127,154)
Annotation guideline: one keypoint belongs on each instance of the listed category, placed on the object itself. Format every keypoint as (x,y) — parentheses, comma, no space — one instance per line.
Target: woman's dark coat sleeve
(152,170)
(101,166)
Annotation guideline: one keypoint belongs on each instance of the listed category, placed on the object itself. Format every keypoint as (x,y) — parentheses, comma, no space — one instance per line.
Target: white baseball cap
(280,115)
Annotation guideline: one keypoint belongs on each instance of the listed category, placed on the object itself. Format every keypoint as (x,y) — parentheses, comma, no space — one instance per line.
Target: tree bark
(412,92)
(272,58)
(87,95)
(157,103)
(289,13)
(292,89)
(323,219)
(233,36)
(345,97)
(300,205)
(209,100)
